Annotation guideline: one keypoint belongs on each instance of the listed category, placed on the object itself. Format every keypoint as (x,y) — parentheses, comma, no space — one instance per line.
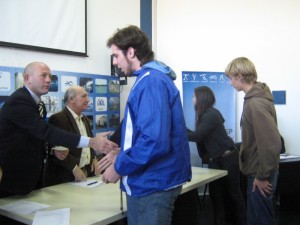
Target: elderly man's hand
(61,155)
(78,174)
(95,168)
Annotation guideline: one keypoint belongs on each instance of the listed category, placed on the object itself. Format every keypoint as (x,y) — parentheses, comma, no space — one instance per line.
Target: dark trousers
(187,209)
(226,193)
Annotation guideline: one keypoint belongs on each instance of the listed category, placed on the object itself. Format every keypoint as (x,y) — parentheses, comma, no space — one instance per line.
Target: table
(99,205)
(288,186)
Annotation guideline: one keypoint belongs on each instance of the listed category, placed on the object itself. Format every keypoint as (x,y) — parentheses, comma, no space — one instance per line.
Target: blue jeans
(260,209)
(153,209)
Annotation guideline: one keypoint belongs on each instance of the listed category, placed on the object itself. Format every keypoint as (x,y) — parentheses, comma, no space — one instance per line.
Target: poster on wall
(225,101)
(103,90)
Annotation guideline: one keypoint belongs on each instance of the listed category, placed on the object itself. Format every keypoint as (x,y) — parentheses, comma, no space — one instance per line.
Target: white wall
(104,17)
(201,35)
(198,35)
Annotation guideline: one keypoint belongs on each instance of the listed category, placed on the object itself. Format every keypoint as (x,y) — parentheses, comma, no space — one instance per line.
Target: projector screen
(45,25)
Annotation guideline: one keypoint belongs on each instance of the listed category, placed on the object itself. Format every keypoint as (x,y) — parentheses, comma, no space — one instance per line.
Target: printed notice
(5,84)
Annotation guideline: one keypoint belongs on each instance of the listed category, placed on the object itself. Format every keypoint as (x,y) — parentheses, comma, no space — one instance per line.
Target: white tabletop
(98,205)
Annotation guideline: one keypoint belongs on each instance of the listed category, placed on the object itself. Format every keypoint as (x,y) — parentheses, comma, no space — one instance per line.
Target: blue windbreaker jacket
(155,153)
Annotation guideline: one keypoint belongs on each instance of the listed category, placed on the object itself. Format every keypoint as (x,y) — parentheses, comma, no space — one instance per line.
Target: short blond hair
(244,67)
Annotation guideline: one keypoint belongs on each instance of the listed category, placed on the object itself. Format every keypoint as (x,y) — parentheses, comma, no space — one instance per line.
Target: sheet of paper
(52,217)
(23,207)
(59,148)
(286,156)
(88,183)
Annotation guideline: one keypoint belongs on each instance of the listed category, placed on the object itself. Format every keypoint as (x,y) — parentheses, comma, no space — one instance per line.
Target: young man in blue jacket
(154,160)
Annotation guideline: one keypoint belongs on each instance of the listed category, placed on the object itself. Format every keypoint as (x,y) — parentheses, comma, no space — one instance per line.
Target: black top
(210,134)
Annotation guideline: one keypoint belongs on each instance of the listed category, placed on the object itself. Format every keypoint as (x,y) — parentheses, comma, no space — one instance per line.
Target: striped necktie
(41,108)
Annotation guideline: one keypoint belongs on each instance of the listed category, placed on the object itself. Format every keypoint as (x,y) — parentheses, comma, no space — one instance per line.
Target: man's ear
(130,52)
(26,77)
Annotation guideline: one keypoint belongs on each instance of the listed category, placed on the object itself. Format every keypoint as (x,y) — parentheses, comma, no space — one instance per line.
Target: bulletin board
(103,90)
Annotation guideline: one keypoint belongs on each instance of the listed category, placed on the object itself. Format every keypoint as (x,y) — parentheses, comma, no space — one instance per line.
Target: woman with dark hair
(211,138)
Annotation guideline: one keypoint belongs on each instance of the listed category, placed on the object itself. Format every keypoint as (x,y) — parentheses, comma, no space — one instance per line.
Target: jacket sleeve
(26,116)
(267,139)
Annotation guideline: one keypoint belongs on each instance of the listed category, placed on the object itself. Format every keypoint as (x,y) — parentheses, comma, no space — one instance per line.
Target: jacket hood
(160,66)
(260,90)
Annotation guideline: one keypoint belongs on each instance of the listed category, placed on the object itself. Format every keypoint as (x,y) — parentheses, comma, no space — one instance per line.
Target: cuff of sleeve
(84,142)
(74,168)
(260,178)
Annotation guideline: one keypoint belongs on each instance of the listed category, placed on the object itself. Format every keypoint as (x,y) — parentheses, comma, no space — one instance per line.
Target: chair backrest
(282,145)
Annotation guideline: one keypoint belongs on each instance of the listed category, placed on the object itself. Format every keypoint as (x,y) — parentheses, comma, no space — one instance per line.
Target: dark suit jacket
(23,134)
(60,171)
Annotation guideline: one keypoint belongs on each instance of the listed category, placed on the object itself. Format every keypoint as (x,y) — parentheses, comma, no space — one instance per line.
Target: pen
(92,183)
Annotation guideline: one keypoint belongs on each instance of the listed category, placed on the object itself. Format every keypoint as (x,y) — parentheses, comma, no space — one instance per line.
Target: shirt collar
(74,114)
(34,96)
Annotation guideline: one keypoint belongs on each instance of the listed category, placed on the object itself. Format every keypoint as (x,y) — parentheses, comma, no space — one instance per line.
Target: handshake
(101,144)
(106,164)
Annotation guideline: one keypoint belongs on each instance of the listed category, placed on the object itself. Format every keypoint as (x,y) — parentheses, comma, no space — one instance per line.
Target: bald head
(37,77)
(77,99)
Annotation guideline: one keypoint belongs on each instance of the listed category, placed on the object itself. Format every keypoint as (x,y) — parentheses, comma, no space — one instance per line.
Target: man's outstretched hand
(100,143)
